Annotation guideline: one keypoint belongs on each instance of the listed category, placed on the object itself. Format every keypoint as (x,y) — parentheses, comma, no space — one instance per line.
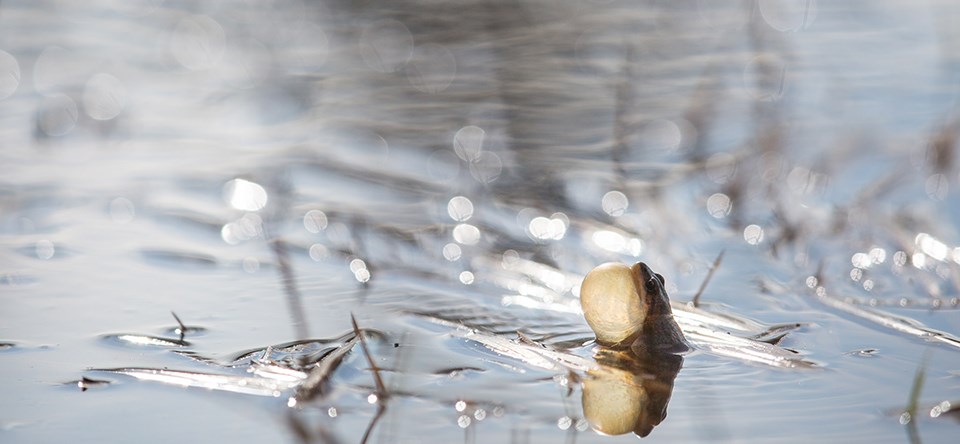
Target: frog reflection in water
(629,310)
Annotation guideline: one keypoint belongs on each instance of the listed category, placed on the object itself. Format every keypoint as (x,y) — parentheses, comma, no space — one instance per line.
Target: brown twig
(706,280)
(381,388)
(183,328)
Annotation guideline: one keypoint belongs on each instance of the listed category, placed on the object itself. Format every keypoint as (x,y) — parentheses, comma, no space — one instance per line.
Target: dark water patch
(458,371)
(208,224)
(16,280)
(5,346)
(45,250)
(183,260)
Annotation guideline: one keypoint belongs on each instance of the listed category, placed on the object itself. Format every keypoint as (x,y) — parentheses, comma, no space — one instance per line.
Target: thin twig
(183,328)
(706,280)
(381,389)
(377,380)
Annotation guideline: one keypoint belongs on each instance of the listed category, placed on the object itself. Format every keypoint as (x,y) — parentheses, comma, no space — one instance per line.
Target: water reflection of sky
(151,150)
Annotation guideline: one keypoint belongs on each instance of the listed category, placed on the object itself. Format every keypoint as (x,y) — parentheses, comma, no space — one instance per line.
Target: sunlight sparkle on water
(753,234)
(932,247)
(614,203)
(616,243)
(198,42)
(360,271)
(861,260)
(542,228)
(460,209)
(9,74)
(247,227)
(452,252)
(315,221)
(104,97)
(468,142)
(719,206)
(245,195)
(386,45)
(466,234)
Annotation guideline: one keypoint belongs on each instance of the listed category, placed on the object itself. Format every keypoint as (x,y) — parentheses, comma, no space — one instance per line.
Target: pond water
(447,172)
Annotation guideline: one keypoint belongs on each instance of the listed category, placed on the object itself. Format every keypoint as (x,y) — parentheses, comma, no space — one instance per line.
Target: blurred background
(266,168)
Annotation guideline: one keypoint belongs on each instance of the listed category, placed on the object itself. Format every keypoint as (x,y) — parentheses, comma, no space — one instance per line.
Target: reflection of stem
(282,256)
(381,408)
(915,390)
(294,299)
(623,101)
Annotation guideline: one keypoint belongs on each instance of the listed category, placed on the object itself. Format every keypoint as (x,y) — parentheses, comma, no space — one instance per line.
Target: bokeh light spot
(765,78)
(245,195)
(315,221)
(318,252)
(721,167)
(386,45)
(661,135)
(466,234)
(104,97)
(486,168)
(753,234)
(468,142)
(542,228)
(452,252)
(719,205)
(614,203)
(9,74)
(788,15)
(198,42)
(432,68)
(57,115)
(460,208)
(44,249)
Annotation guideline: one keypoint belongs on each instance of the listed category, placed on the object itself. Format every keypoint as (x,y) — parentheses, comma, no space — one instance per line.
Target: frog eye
(653,284)
(660,276)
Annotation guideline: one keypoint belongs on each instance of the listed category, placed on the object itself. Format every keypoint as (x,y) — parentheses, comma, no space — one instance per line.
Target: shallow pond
(446,173)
